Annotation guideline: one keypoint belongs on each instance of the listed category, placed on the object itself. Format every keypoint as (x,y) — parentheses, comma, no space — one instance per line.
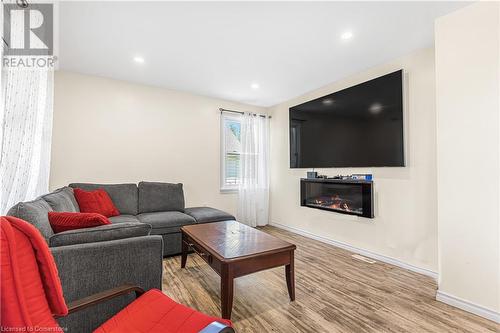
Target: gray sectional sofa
(130,250)
(160,205)
(147,208)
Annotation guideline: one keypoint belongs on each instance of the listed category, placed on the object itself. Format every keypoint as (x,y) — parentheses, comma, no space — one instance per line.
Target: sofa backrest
(124,196)
(62,200)
(160,197)
(36,213)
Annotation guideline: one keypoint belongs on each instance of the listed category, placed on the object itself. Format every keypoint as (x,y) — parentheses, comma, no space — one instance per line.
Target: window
(230,151)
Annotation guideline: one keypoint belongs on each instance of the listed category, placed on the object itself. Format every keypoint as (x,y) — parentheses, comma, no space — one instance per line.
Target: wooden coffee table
(233,249)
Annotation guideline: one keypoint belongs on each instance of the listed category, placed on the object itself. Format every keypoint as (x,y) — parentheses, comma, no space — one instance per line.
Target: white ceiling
(219,49)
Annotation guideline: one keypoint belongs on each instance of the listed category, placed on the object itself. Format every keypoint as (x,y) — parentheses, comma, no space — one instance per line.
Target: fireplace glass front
(352,198)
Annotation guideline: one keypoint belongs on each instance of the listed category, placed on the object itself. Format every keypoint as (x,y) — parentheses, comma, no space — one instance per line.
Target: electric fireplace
(353,197)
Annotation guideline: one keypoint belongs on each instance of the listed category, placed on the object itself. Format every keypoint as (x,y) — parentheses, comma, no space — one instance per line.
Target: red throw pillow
(64,221)
(97,201)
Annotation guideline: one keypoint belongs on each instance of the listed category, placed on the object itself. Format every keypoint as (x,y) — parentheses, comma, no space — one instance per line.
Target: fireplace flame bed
(335,202)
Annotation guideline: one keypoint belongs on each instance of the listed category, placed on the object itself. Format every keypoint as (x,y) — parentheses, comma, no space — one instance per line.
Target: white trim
(460,303)
(354,249)
(228,190)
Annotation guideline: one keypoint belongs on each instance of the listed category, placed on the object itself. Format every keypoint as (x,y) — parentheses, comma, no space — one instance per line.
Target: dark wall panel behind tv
(361,126)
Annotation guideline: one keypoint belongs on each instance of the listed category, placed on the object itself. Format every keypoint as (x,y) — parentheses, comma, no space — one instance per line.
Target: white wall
(405,226)
(113,131)
(468,146)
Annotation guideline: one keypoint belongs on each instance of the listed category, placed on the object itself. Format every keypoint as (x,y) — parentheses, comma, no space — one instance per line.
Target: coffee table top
(231,239)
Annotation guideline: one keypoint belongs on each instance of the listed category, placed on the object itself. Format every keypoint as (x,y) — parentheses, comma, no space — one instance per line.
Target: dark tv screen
(361,126)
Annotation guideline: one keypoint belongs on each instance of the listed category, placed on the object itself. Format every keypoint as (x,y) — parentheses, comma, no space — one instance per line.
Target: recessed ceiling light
(139,60)
(255,86)
(346,35)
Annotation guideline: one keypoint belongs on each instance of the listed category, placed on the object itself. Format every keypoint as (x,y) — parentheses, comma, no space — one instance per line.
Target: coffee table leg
(290,277)
(185,249)
(226,291)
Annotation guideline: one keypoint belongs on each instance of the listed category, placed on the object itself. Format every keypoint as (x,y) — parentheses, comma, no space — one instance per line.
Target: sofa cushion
(36,213)
(208,214)
(100,234)
(64,221)
(160,197)
(97,201)
(166,222)
(124,219)
(124,196)
(62,200)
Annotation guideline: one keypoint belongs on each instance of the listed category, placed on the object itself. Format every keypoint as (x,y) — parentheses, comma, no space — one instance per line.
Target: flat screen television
(361,126)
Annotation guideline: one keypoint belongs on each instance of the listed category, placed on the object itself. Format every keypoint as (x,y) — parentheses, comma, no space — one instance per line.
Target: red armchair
(32,297)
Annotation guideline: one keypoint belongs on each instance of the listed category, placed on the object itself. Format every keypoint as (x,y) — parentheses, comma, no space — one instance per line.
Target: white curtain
(25,134)
(253,191)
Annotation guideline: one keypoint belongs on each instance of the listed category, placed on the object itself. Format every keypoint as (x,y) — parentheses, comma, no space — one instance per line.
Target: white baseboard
(365,253)
(467,306)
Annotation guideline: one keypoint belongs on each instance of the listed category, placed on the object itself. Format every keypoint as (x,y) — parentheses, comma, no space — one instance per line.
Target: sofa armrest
(87,269)
(100,234)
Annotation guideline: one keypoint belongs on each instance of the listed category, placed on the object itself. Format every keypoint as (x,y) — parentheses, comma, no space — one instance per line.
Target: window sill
(228,190)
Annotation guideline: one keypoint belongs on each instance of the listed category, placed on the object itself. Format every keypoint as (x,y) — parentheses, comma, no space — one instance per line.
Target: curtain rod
(240,112)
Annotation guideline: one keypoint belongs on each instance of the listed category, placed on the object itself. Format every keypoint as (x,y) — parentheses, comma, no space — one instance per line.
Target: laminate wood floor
(334,293)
